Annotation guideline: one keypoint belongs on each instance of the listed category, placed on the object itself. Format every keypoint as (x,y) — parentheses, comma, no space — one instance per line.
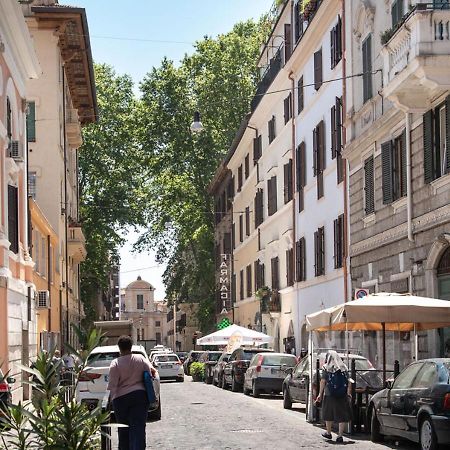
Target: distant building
(186,323)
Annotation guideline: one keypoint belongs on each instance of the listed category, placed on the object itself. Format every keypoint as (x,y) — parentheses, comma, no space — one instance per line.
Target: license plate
(106,378)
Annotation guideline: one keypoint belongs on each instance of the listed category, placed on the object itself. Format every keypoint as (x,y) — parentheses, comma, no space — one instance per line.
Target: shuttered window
(319,251)
(393,166)
(369,187)
(336,128)
(239,187)
(259,208)
(31,121)
(298,20)
(287,109)
(247,221)
(300,95)
(259,275)
(13,218)
(318,73)
(257,148)
(288,187)
(241,228)
(272,195)
(247,166)
(397,12)
(301,174)
(336,43)
(275,273)
(319,157)
(300,257)
(287,41)
(227,243)
(233,235)
(249,280)
(271,129)
(241,285)
(367,68)
(339,242)
(290,267)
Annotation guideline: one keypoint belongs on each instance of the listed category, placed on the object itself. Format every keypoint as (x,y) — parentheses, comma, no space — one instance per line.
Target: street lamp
(196,125)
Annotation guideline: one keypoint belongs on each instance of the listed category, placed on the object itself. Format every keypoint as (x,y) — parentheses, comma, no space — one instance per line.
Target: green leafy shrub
(197,370)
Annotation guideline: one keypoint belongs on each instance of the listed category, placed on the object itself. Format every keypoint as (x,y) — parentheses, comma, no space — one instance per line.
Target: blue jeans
(131,409)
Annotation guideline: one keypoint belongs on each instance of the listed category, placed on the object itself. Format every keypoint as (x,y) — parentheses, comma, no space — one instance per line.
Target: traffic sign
(360,293)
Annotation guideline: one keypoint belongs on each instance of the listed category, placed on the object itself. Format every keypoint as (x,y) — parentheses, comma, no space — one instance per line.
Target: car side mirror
(389,384)
(10,380)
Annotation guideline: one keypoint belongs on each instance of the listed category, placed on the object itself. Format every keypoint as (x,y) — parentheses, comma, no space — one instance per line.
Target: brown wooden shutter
(333,133)
(239,178)
(339,39)
(300,95)
(369,186)
(247,166)
(338,124)
(428,146)
(241,284)
(13,218)
(247,221)
(322,154)
(286,110)
(287,41)
(318,69)
(447,126)
(333,47)
(233,235)
(387,171)
(316,253)
(315,151)
(249,280)
(241,228)
(336,245)
(403,164)
(286,183)
(256,148)
(367,68)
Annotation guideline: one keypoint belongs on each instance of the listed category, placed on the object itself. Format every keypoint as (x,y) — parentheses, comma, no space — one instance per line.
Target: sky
(135,35)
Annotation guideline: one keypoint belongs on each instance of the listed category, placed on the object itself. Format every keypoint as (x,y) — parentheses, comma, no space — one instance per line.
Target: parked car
(209,359)
(296,383)
(182,356)
(266,373)
(416,406)
(193,356)
(5,392)
(169,366)
(235,368)
(158,351)
(93,381)
(218,369)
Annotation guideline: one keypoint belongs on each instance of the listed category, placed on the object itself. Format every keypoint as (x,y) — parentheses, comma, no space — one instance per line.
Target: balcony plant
(308,8)
(263,295)
(197,370)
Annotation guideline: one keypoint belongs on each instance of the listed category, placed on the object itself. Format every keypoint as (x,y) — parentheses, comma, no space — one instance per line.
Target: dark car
(5,392)
(218,369)
(209,359)
(193,356)
(296,383)
(182,356)
(416,406)
(237,365)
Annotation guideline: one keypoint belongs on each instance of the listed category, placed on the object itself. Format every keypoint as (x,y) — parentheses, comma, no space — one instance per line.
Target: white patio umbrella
(247,336)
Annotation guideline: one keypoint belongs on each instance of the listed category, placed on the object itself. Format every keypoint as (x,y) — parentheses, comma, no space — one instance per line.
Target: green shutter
(447,134)
(428,146)
(31,122)
(403,191)
(387,169)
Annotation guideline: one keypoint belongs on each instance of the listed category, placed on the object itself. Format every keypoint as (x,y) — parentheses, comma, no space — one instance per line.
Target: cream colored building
(60,102)
(186,326)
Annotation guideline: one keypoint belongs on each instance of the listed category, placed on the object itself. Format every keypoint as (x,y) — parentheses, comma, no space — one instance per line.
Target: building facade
(186,327)
(18,64)
(398,150)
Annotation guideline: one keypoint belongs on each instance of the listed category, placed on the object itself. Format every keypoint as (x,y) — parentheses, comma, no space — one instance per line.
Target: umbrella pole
(416,343)
(384,353)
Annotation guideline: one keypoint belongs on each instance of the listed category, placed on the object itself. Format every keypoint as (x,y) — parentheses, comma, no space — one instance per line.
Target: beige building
(186,327)
(60,102)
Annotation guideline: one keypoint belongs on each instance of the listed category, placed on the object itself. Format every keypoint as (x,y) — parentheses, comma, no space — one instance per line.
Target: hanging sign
(224,281)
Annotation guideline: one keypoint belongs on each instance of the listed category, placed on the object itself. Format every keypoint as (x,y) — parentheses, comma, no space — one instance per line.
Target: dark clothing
(335,409)
(131,409)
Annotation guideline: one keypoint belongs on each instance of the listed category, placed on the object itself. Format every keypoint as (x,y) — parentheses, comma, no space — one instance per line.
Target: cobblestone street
(196,416)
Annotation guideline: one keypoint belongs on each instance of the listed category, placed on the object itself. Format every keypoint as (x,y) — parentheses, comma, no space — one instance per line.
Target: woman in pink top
(128,395)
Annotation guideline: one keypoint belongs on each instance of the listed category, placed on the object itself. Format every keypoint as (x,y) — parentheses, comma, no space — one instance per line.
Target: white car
(266,372)
(93,381)
(154,352)
(169,366)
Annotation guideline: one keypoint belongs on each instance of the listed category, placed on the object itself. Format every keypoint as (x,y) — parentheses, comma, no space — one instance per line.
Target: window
(157,323)
(241,285)
(288,188)
(339,242)
(259,208)
(247,166)
(241,228)
(406,378)
(230,192)
(319,250)
(336,43)
(158,338)
(287,109)
(259,275)
(239,178)
(393,166)
(257,148)
(397,12)
(436,141)
(300,263)
(36,251)
(367,68)
(249,280)
(301,174)
(318,76)
(272,195)
(369,187)
(272,130)
(139,301)
(227,243)
(287,42)
(336,138)
(275,272)
(44,260)
(13,218)
(51,260)
(247,221)
(233,235)
(32,185)
(319,156)
(427,377)
(300,95)
(8,120)
(290,267)
(298,20)
(31,121)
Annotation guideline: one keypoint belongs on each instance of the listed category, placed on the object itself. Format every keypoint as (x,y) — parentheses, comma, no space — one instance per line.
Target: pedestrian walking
(128,395)
(335,394)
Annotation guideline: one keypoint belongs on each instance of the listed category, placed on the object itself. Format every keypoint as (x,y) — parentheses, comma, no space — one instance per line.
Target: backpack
(337,383)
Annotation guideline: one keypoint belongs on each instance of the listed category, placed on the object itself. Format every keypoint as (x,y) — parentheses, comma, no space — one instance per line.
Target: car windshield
(214,356)
(362,364)
(166,358)
(278,360)
(248,355)
(195,356)
(104,359)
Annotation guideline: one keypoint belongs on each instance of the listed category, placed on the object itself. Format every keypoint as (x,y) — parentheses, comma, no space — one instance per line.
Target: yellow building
(46,278)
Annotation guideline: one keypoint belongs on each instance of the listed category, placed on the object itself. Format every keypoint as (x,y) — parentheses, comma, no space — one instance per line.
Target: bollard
(396,368)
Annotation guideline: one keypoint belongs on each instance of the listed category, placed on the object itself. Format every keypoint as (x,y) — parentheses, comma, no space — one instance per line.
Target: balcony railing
(271,303)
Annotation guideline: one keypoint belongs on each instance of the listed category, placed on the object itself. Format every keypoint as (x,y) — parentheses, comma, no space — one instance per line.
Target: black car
(296,383)
(416,406)
(237,365)
(193,356)
(218,369)
(209,359)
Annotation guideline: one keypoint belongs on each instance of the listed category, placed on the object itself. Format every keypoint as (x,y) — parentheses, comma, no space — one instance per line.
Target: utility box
(113,329)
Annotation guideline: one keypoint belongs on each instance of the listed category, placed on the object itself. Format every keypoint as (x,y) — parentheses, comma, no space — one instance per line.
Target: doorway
(443,278)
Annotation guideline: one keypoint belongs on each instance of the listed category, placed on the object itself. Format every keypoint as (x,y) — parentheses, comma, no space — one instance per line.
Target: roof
(140,284)
(115,348)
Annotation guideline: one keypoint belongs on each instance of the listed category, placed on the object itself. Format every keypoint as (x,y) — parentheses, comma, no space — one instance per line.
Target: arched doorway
(443,281)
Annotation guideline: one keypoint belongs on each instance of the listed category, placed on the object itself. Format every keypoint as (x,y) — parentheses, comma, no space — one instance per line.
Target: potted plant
(197,370)
(263,294)
(308,7)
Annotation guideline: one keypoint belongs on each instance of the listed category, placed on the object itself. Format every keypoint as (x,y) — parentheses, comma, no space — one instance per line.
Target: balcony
(271,303)
(415,57)
(76,243)
(73,128)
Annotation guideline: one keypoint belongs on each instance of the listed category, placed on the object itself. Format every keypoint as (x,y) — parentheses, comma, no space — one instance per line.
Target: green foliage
(197,371)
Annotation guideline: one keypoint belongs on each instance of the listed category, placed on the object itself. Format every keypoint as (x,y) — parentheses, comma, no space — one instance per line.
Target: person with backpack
(334,394)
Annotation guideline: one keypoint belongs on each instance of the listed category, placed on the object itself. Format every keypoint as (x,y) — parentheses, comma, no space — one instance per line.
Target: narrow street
(196,416)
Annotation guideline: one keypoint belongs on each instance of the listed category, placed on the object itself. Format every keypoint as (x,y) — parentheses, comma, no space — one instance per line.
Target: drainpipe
(409,177)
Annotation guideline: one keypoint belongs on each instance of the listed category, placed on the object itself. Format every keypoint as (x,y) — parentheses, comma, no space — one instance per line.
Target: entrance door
(443,276)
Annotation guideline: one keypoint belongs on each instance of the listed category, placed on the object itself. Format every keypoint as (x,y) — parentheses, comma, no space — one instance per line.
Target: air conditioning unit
(15,150)
(43,299)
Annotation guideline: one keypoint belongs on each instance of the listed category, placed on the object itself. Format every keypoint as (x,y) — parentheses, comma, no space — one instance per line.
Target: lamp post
(174,325)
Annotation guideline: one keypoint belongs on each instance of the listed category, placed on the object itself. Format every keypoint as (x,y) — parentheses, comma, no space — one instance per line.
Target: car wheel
(208,380)
(287,402)
(156,414)
(214,381)
(223,384)
(245,390)
(427,436)
(255,391)
(234,384)
(375,435)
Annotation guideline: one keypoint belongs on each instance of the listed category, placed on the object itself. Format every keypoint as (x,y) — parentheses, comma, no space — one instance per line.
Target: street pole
(174,325)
